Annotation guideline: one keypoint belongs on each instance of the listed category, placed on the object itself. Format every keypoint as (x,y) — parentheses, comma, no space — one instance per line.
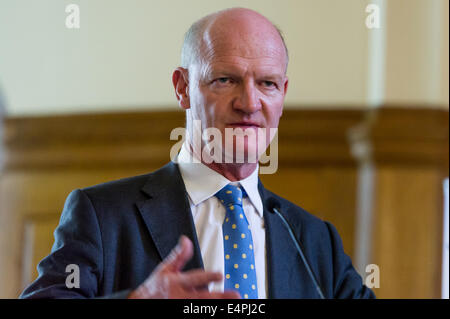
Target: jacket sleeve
(78,244)
(347,282)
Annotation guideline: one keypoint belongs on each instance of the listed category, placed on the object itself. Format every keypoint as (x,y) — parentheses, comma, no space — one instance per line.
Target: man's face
(239,82)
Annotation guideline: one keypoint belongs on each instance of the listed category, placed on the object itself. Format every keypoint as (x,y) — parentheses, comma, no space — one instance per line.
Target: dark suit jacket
(118,232)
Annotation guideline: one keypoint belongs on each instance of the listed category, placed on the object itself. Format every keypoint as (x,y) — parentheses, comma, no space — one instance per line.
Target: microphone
(273,206)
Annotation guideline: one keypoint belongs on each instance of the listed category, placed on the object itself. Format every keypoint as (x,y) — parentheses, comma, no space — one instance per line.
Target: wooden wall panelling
(31,202)
(47,157)
(61,153)
(408,232)
(409,151)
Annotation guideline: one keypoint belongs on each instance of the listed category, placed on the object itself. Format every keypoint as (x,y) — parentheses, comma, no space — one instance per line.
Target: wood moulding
(306,137)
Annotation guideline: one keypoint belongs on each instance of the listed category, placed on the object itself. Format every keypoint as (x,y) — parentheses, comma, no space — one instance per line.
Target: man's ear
(285,87)
(286,83)
(180,81)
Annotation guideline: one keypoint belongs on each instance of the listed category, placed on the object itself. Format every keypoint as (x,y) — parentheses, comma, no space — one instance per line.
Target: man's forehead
(242,46)
(233,64)
(234,45)
(251,38)
(237,31)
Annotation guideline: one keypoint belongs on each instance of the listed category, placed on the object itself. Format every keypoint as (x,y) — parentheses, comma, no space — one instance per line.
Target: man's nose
(248,100)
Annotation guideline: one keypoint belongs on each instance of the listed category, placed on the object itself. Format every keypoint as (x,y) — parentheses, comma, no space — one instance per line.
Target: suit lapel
(167,216)
(286,274)
(167,213)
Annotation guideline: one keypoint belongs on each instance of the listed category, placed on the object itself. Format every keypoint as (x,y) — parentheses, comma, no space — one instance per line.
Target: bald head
(231,28)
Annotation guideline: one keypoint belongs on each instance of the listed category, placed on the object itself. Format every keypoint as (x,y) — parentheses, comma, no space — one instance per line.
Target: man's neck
(232,171)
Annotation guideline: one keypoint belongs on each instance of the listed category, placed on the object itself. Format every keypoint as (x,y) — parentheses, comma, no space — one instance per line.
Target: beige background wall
(125,51)
(417,52)
(121,60)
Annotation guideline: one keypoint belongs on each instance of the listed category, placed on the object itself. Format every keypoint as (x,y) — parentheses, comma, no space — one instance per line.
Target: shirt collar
(202,182)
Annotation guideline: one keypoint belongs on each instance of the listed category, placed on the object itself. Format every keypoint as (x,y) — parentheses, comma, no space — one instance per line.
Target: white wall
(123,55)
(445,248)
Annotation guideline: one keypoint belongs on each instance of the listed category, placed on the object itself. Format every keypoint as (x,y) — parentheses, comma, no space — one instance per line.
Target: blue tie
(240,273)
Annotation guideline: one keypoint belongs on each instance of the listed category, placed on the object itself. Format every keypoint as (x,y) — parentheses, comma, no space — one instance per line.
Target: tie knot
(231,195)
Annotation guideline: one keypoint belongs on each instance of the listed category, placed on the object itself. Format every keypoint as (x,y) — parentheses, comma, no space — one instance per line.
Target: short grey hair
(191,48)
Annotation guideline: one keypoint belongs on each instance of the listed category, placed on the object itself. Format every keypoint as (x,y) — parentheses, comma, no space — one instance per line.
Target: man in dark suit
(200,228)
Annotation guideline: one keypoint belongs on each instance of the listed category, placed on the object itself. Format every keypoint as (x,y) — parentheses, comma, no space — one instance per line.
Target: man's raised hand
(168,282)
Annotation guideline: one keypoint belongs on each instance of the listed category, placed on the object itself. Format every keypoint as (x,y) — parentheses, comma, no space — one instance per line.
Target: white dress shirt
(202,183)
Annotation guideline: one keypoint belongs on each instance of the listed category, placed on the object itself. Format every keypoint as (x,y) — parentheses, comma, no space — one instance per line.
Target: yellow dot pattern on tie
(239,259)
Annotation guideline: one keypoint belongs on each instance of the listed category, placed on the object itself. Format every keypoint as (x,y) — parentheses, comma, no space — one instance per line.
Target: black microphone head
(273,203)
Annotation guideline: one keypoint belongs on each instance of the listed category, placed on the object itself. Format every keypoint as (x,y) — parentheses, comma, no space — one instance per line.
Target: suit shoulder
(129,189)
(119,186)
(292,208)
(298,215)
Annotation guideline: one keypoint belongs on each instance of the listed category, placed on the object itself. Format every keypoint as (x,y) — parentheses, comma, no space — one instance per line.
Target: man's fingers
(179,255)
(194,279)
(198,278)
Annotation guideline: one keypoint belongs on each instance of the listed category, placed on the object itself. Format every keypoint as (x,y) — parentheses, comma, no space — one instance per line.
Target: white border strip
(377,59)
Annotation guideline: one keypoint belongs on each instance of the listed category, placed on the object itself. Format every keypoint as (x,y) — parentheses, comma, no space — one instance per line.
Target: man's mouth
(244,125)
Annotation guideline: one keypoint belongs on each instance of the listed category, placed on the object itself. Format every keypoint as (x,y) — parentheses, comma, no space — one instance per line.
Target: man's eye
(268,83)
(223,80)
